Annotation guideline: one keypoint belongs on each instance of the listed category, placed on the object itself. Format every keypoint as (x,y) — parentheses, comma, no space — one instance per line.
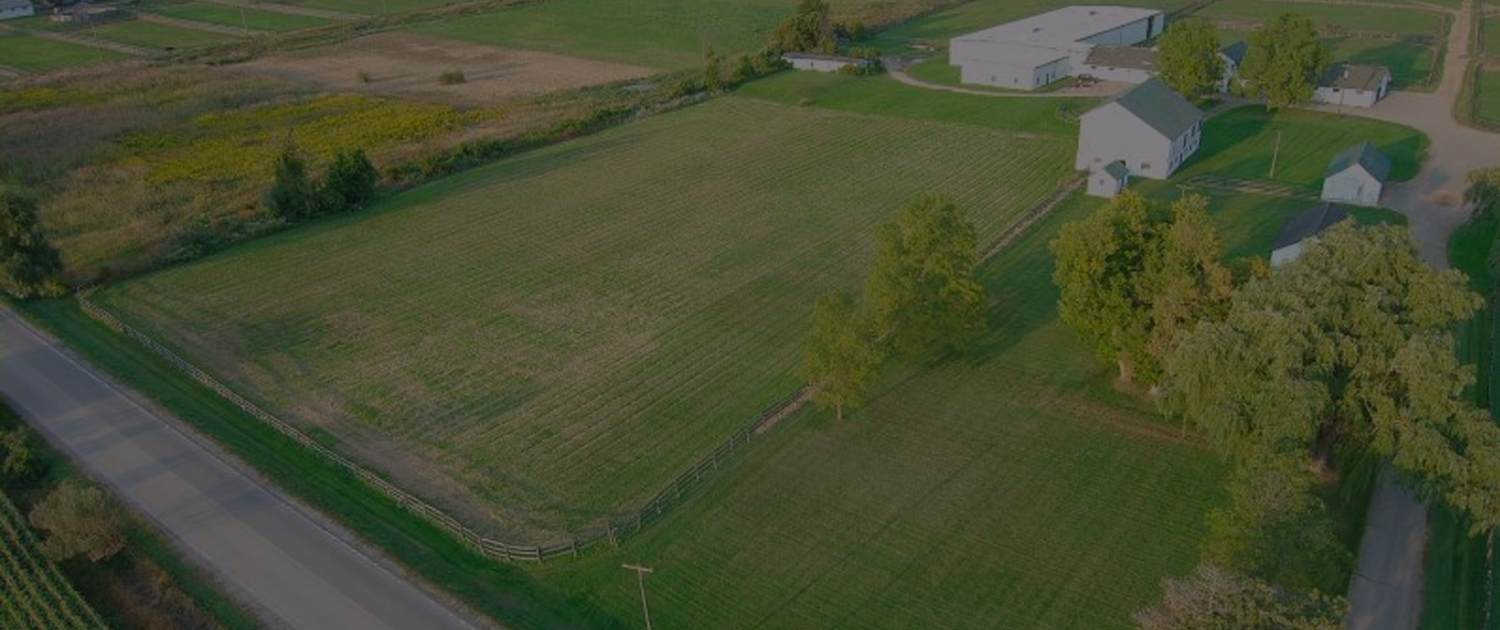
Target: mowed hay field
(34,54)
(225,15)
(1015,491)
(548,340)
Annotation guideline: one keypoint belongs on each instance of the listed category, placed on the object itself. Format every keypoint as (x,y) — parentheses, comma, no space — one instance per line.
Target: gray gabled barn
(1357,176)
(1149,130)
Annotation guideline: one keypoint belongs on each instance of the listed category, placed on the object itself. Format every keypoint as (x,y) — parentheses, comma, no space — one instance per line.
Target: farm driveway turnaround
(295,570)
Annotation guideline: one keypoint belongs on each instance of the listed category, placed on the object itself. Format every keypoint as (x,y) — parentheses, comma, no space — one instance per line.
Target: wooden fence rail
(608,532)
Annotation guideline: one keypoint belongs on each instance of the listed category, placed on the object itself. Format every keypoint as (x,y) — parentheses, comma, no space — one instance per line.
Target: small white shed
(1109,181)
(1357,176)
(1350,85)
(11,9)
(823,63)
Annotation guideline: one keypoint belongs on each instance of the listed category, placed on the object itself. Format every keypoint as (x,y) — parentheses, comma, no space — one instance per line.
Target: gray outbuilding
(1357,176)
(11,9)
(1035,51)
(1352,85)
(1126,64)
(1149,130)
(1233,57)
(1302,229)
(823,63)
(1109,181)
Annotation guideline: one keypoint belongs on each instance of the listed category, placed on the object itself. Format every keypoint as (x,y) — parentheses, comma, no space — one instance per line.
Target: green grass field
(1489,36)
(1241,143)
(665,34)
(368,7)
(885,97)
(36,595)
(1392,21)
(1411,62)
(33,54)
(1487,97)
(599,333)
(154,36)
(233,16)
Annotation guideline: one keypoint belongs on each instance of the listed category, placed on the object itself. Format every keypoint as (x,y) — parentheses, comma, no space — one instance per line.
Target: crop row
(36,595)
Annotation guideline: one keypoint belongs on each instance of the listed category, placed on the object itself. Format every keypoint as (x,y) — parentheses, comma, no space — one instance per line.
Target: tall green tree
(923,298)
(1351,346)
(350,183)
(1285,60)
(1132,274)
(808,30)
(1276,528)
(293,196)
(29,266)
(1212,598)
(1188,56)
(843,357)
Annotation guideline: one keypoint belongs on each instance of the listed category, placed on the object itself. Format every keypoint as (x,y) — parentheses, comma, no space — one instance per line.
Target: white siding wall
(1286,254)
(1346,98)
(819,65)
(1101,184)
(6,14)
(997,75)
(1353,185)
(1110,133)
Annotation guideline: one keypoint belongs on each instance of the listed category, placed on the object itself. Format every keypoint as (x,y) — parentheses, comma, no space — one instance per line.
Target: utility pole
(1275,154)
(640,578)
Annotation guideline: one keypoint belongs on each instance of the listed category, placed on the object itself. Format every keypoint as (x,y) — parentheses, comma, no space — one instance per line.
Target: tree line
(1284,61)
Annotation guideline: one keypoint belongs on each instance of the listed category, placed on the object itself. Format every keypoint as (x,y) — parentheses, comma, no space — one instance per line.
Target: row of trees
(1346,351)
(1283,63)
(921,303)
(349,184)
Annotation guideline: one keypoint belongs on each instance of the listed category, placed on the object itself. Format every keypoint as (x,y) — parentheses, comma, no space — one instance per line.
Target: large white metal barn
(1035,51)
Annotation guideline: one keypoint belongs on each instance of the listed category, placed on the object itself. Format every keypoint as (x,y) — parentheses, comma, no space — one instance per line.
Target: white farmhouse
(1303,228)
(1148,130)
(1351,85)
(1233,57)
(1357,176)
(10,9)
(1035,51)
(823,63)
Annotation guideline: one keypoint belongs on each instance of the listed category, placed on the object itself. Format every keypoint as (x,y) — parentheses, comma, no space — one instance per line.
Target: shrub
(29,266)
(362,76)
(452,77)
(350,182)
(292,196)
(79,520)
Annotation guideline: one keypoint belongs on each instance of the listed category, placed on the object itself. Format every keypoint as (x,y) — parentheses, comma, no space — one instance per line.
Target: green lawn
(1411,61)
(33,54)
(368,7)
(1487,103)
(1490,36)
(1393,21)
(232,16)
(1016,490)
(884,96)
(154,36)
(1240,144)
(610,308)
(665,34)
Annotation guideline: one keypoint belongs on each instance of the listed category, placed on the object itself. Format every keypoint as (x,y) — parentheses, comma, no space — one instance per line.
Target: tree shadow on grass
(1401,57)
(1227,131)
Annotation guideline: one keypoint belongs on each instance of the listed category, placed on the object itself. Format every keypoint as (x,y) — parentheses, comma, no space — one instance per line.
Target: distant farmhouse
(823,63)
(1353,85)
(1302,229)
(1357,176)
(1147,131)
(11,9)
(1233,57)
(1035,51)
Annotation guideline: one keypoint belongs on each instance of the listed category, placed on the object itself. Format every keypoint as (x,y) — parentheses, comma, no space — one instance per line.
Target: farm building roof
(1235,52)
(1366,156)
(1068,24)
(1348,76)
(11,5)
(1309,222)
(850,60)
(1117,170)
(1122,57)
(1160,107)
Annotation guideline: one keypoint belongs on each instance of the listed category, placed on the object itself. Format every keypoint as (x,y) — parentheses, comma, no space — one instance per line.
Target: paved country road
(293,568)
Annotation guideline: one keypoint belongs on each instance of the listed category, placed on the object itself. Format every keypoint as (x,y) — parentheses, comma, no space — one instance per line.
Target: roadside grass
(34,54)
(154,36)
(884,96)
(1489,35)
(611,308)
(147,585)
(236,17)
(1454,593)
(504,592)
(369,7)
(1398,22)
(1487,97)
(1240,144)
(663,34)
